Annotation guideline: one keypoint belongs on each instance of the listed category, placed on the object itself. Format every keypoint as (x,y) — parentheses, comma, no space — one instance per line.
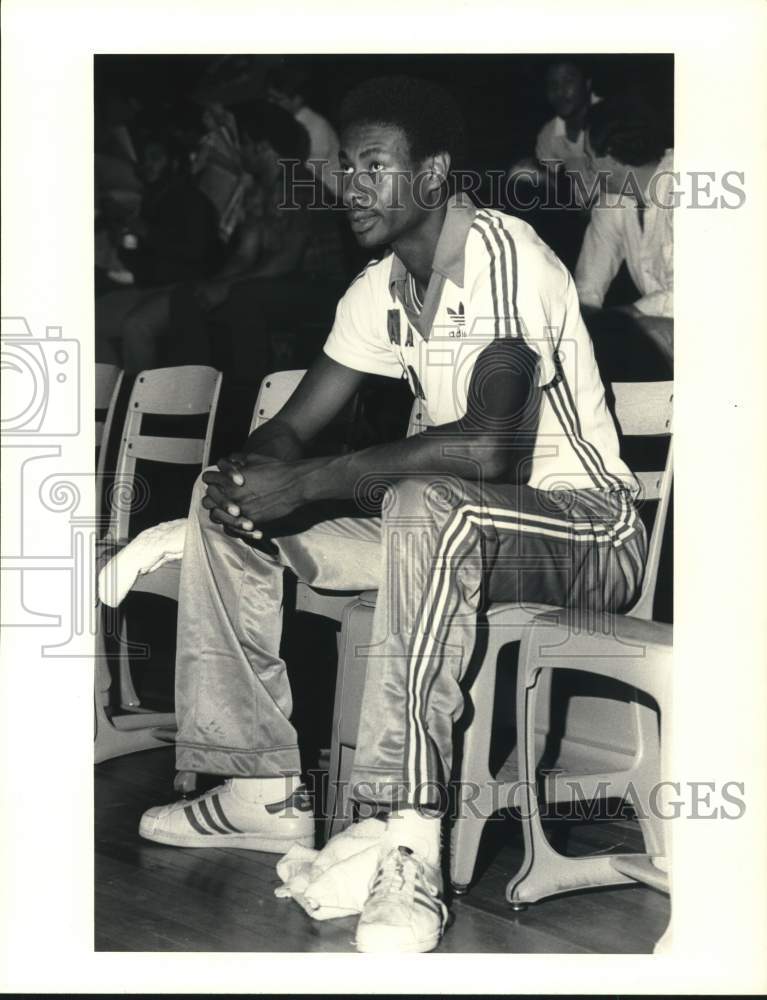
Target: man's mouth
(362,221)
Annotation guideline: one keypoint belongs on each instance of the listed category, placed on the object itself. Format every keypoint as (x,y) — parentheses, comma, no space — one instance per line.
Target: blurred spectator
(219,169)
(559,146)
(286,268)
(625,142)
(288,87)
(172,239)
(278,233)
(550,190)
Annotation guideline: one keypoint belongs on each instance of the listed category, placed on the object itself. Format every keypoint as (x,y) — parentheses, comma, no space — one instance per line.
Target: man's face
(381,188)
(566,89)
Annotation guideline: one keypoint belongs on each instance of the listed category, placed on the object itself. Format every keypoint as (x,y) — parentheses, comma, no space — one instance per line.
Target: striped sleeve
(518,289)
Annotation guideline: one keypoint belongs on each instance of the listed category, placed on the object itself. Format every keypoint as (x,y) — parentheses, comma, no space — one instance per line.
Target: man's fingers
(210,504)
(232,471)
(218,498)
(247,535)
(214,477)
(242,524)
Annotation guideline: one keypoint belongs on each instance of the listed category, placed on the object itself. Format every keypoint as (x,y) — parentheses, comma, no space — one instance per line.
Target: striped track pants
(440,549)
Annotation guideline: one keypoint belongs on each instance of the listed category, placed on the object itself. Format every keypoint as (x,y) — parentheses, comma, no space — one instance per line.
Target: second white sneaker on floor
(222,818)
(404,911)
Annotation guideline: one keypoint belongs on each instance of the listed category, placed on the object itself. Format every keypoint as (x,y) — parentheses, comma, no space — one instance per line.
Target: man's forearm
(435,452)
(275,439)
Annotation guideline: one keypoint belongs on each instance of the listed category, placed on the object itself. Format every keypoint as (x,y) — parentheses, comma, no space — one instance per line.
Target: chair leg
(127,733)
(648,767)
(331,799)
(185,782)
(544,871)
(340,818)
(475,793)
(129,700)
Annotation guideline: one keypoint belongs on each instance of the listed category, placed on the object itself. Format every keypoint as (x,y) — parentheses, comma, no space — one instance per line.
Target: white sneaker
(222,818)
(404,911)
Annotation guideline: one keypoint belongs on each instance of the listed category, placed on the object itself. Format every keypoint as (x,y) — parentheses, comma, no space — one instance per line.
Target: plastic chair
(634,652)
(641,409)
(166,392)
(108,381)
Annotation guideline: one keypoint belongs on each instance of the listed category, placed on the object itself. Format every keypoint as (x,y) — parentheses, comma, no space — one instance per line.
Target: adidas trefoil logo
(458,316)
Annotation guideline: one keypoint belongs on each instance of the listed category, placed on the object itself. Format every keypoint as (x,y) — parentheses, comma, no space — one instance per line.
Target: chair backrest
(274,392)
(645,409)
(277,388)
(188,390)
(108,381)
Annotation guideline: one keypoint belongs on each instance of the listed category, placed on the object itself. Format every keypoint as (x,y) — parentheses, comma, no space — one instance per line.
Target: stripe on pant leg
(422,645)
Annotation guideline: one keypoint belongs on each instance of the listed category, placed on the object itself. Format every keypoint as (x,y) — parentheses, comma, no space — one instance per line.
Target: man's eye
(376,167)
(348,170)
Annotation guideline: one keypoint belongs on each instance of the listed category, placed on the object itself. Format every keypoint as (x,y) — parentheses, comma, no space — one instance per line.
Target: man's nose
(356,194)
(351,193)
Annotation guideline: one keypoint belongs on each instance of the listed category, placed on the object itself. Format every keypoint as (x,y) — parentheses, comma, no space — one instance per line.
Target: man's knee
(424,496)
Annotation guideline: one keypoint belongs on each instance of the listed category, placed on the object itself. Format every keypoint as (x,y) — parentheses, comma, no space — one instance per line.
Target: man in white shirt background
(633,222)
(559,144)
(557,176)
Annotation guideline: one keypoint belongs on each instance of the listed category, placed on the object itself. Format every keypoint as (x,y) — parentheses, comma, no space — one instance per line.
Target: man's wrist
(319,479)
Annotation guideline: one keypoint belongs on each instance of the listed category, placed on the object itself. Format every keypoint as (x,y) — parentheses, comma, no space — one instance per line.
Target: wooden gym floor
(155,898)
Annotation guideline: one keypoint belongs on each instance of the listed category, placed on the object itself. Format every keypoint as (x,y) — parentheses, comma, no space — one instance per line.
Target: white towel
(147,552)
(333,882)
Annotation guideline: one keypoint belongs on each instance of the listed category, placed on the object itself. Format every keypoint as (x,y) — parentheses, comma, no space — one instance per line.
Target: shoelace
(399,872)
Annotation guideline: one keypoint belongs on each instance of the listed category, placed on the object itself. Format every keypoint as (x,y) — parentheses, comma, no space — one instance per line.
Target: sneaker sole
(371,948)
(243,841)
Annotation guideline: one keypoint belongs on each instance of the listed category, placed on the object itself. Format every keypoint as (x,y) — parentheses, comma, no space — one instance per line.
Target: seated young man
(516,493)
(634,222)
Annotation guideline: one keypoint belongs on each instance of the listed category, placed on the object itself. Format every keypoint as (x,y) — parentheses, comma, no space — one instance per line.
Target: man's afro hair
(428,114)
(627,128)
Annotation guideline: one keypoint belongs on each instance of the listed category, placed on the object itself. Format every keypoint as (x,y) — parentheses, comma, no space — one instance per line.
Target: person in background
(634,222)
(558,175)
(288,87)
(172,239)
(285,267)
(559,146)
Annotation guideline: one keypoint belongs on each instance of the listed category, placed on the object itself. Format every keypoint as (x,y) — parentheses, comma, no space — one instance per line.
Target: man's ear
(436,168)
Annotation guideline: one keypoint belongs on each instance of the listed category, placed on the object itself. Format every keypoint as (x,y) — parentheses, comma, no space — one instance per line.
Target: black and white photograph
(342,519)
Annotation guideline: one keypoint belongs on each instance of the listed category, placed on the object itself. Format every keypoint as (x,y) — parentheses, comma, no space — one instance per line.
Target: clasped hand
(246,490)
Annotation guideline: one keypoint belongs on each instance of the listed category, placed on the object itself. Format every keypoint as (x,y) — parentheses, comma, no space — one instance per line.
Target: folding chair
(108,382)
(164,392)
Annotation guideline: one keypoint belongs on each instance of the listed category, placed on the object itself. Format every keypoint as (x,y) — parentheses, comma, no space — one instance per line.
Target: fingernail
(248,525)
(237,479)
(231,509)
